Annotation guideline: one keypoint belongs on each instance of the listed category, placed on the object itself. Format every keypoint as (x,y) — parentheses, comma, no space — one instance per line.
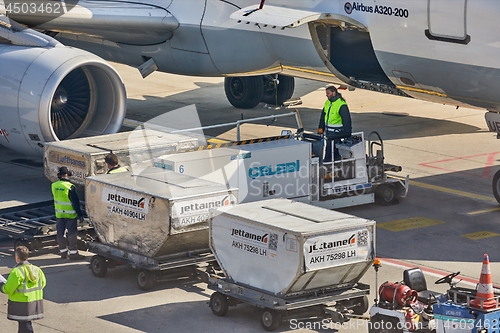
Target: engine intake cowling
(57,93)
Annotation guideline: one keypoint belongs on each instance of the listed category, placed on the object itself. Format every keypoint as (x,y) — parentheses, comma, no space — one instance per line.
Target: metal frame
(263,299)
(152,264)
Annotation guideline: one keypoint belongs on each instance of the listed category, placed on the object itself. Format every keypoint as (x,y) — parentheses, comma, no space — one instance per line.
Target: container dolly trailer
(290,259)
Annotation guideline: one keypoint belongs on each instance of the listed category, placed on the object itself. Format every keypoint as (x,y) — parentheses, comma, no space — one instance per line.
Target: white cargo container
(154,214)
(284,247)
(135,149)
(260,170)
(291,259)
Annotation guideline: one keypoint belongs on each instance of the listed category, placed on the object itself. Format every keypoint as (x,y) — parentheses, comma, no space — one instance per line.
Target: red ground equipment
(397,292)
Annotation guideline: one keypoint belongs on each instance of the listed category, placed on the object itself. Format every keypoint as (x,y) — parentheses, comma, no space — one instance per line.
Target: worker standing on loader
(334,122)
(67,207)
(112,163)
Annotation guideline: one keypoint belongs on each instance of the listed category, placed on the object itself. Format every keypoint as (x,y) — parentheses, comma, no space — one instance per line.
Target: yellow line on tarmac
(409,223)
(452,191)
(484,211)
(481,235)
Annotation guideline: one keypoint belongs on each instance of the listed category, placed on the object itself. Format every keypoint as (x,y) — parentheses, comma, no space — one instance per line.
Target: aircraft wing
(279,17)
(128,23)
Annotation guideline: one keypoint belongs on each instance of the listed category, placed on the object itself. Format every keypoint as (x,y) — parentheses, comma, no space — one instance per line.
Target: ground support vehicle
(360,176)
(292,166)
(149,270)
(409,307)
(153,221)
(284,166)
(34,226)
(291,259)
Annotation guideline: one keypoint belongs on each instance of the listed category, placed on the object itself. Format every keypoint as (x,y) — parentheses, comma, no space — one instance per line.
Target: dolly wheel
(145,279)
(270,319)
(219,304)
(98,266)
(385,195)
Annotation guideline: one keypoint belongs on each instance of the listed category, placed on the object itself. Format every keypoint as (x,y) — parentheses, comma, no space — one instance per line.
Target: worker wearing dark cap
(112,163)
(67,207)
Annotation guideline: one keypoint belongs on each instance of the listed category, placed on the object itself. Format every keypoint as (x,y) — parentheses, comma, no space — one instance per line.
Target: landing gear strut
(279,90)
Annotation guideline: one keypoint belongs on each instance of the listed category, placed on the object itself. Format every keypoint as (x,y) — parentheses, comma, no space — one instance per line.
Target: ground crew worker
(334,122)
(25,289)
(67,207)
(112,163)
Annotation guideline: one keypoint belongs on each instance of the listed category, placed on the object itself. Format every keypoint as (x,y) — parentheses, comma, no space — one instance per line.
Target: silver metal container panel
(284,247)
(155,213)
(135,149)
(261,170)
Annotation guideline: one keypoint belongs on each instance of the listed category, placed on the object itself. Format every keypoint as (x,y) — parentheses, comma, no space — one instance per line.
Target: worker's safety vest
(117,170)
(62,202)
(332,115)
(26,300)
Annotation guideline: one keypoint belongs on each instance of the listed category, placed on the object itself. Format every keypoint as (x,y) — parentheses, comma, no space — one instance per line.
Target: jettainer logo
(198,206)
(120,198)
(336,244)
(242,233)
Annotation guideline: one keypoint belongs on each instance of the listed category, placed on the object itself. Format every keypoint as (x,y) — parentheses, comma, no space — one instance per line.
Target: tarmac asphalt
(446,223)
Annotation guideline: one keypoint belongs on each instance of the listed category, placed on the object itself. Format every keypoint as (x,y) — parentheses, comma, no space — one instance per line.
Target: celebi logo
(271,170)
(206,205)
(249,235)
(351,241)
(118,198)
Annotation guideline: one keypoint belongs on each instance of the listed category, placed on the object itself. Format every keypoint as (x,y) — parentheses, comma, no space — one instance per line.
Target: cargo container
(274,168)
(288,257)
(152,221)
(85,156)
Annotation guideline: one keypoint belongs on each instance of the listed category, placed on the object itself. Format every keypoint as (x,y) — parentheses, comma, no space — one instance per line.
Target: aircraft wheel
(219,304)
(98,266)
(496,185)
(385,195)
(244,92)
(276,94)
(270,319)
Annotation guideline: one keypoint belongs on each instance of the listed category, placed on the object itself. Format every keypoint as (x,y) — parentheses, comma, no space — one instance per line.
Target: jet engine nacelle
(56,93)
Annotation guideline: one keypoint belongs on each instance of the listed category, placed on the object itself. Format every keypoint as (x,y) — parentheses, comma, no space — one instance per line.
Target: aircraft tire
(285,89)
(244,92)
(496,185)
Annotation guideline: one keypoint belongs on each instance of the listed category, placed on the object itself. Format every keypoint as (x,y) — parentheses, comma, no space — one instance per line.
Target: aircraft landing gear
(276,94)
(246,92)
(496,185)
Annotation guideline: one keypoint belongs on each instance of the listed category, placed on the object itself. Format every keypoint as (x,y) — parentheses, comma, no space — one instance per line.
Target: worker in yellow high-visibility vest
(25,289)
(67,206)
(112,163)
(334,122)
